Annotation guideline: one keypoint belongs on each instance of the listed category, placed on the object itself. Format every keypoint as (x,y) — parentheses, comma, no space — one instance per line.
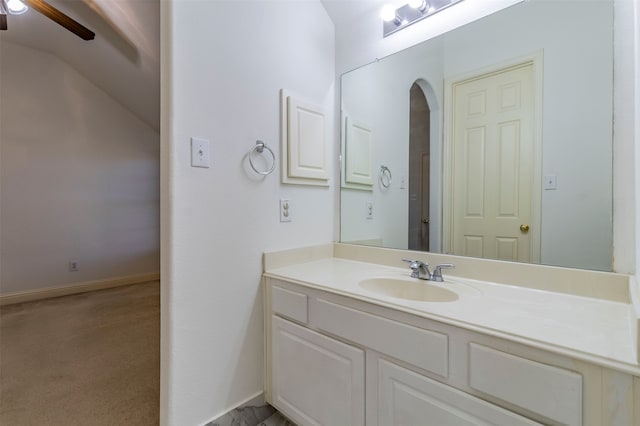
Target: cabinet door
(316,380)
(408,398)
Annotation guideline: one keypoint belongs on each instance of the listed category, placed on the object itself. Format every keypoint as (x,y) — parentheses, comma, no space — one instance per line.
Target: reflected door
(424,211)
(493,136)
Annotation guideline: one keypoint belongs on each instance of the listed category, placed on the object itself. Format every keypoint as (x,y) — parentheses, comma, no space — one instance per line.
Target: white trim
(536,59)
(256,400)
(81,287)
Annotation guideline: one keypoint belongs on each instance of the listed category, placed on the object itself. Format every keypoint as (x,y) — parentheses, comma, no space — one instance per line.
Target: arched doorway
(419,169)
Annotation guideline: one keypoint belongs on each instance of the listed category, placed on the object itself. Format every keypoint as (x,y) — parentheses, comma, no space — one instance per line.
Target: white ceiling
(341,11)
(123,59)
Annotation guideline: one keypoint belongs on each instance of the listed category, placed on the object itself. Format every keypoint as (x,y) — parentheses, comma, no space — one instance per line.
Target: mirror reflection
(493,140)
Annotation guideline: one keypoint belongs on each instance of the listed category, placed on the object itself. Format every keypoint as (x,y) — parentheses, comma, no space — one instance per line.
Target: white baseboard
(224,417)
(82,287)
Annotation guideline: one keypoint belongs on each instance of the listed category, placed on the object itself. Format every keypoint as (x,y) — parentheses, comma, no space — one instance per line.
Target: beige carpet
(90,359)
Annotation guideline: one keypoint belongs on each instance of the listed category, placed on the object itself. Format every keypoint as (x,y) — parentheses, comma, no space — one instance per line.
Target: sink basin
(408,289)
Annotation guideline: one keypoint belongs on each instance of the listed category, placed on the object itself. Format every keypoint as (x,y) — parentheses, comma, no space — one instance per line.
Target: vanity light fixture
(416,10)
(420,5)
(388,14)
(16,7)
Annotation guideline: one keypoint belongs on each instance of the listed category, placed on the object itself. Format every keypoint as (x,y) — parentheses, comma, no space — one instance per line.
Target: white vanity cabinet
(336,360)
(316,380)
(408,398)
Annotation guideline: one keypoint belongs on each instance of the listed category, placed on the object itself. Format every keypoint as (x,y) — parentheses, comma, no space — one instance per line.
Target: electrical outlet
(369,212)
(285,210)
(74,266)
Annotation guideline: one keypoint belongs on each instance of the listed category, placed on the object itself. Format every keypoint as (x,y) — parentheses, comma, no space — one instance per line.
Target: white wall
(624,250)
(79,178)
(576,218)
(227,62)
(634,175)
(359,41)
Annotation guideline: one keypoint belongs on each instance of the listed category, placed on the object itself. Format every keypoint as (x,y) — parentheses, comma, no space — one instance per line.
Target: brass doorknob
(524,228)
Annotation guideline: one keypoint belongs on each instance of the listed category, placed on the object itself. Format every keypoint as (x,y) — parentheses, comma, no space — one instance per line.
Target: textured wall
(79,178)
(229,60)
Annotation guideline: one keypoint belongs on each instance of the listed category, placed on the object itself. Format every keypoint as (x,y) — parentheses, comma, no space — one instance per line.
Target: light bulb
(16,7)
(388,13)
(417,4)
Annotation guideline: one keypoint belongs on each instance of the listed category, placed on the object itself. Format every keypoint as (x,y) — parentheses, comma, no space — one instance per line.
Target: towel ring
(385,177)
(259,148)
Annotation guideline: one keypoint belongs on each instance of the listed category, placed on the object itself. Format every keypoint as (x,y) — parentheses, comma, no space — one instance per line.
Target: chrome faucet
(418,269)
(421,271)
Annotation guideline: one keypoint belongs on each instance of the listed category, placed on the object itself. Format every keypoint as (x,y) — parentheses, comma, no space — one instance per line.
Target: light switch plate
(550,182)
(199,152)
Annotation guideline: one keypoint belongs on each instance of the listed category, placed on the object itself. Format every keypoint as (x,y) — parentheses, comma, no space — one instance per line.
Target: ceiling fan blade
(55,15)
(3,16)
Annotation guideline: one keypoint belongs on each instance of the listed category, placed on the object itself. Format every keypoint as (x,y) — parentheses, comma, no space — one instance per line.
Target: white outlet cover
(285,210)
(199,152)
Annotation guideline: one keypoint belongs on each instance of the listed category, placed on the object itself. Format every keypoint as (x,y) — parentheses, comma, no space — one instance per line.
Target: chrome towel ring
(259,148)
(385,176)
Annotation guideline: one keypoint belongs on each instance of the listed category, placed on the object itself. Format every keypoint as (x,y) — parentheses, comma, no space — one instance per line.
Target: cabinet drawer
(422,348)
(289,303)
(550,391)
(408,398)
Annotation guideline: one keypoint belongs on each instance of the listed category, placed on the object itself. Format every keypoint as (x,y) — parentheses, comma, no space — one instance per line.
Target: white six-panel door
(493,164)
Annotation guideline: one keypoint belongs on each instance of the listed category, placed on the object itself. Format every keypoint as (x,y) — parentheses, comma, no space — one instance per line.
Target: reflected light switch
(550,182)
(199,152)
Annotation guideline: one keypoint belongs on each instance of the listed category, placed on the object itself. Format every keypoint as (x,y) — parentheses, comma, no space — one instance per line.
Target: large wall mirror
(493,140)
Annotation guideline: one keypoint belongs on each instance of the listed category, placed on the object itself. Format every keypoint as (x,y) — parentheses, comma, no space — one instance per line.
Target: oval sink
(411,290)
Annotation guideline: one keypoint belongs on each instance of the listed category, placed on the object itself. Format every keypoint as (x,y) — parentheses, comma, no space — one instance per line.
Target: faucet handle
(419,269)
(404,259)
(415,263)
(437,272)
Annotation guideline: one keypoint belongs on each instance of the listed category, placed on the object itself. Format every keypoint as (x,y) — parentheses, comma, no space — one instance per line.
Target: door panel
(492,164)
(474,172)
(316,380)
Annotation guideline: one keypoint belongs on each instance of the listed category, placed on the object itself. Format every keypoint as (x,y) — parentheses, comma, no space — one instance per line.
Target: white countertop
(590,329)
